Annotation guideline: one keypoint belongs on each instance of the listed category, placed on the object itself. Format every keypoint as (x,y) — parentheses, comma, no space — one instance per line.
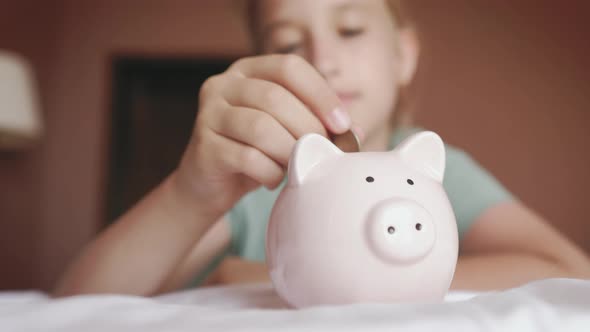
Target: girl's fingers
(239,158)
(296,75)
(275,100)
(257,129)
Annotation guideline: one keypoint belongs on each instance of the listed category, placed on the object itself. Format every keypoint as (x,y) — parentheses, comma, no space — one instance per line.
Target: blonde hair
(402,115)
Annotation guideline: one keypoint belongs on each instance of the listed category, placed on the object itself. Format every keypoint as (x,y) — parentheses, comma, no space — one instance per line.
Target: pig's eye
(410,182)
(370,179)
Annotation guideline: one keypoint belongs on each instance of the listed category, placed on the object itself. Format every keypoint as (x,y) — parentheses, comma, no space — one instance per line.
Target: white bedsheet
(548,305)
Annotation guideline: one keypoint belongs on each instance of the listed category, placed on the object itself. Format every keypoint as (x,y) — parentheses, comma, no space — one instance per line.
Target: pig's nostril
(418,226)
(391,230)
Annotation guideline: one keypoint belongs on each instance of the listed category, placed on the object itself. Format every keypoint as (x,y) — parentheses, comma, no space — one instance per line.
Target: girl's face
(354,44)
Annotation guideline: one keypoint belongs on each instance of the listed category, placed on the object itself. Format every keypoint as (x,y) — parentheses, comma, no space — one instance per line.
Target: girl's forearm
(136,254)
(506,270)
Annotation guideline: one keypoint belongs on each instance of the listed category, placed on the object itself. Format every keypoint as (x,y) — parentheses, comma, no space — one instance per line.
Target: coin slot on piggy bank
(390,236)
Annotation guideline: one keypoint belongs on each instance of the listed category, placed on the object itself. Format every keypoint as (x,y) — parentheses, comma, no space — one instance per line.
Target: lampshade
(20,118)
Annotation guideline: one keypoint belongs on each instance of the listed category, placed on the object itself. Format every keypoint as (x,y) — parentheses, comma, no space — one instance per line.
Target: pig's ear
(425,151)
(309,151)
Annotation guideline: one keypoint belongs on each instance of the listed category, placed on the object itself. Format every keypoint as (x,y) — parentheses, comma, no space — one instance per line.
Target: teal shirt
(470,188)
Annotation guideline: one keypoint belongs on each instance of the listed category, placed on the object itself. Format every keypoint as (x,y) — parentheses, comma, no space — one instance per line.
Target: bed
(547,305)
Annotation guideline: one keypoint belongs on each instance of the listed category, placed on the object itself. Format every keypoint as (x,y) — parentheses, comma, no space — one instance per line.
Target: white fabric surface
(548,305)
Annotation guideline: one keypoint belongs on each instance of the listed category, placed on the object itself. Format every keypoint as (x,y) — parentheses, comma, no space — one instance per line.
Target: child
(325,66)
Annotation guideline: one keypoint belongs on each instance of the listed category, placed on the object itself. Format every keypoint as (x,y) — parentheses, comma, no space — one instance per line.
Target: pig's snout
(400,231)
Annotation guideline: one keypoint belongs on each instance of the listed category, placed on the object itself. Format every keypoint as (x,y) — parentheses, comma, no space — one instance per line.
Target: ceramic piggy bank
(363,227)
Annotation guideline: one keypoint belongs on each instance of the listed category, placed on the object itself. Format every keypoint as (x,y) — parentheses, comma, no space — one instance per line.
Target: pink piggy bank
(363,227)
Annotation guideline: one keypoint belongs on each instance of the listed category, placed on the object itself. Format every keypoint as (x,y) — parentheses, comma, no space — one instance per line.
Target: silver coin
(347,142)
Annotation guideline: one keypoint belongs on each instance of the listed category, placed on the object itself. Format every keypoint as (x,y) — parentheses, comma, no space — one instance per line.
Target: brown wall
(20,172)
(509,84)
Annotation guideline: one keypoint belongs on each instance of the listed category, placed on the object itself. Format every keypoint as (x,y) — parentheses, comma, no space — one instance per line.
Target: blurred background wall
(507,81)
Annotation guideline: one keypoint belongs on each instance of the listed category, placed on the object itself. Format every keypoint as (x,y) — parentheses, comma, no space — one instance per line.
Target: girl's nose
(324,58)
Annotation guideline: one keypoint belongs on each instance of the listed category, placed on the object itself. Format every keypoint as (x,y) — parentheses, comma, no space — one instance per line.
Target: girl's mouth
(348,97)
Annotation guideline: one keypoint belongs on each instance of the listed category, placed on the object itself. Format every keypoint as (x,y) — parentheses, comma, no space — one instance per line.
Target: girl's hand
(249,119)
